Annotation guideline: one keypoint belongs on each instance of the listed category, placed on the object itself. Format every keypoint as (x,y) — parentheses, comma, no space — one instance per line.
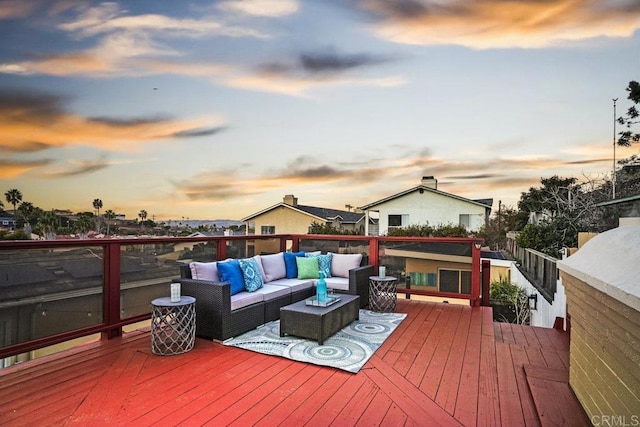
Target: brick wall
(605,353)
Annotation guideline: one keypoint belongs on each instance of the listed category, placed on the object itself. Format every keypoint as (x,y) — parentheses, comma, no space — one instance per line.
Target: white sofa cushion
(339,283)
(294,284)
(273,266)
(204,271)
(258,259)
(244,299)
(270,291)
(342,263)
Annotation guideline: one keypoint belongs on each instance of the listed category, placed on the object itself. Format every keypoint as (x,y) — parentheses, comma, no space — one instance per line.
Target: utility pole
(613,177)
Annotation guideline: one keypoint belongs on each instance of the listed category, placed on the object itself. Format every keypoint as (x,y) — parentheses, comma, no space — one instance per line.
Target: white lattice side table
(173,325)
(382,293)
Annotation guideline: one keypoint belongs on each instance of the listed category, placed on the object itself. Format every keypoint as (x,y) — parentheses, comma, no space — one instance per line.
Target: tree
(83,225)
(97,205)
(14,197)
(628,137)
(503,220)
(143,215)
(1,207)
(109,215)
(48,224)
(26,210)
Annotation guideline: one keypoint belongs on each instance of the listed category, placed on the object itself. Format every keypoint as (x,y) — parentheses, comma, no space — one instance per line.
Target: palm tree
(1,206)
(26,210)
(83,225)
(97,205)
(14,197)
(143,215)
(109,216)
(48,223)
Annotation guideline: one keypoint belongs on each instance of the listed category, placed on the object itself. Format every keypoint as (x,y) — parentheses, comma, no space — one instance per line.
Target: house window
(455,281)
(464,220)
(398,220)
(395,220)
(268,229)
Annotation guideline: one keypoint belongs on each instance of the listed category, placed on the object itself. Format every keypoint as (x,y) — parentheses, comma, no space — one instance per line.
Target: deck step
(553,398)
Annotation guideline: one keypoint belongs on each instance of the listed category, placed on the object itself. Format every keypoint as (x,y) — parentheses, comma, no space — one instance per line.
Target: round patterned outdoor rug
(349,349)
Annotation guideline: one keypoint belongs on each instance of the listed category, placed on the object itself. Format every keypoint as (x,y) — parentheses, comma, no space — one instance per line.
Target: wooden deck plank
(466,410)
(433,375)
(447,393)
(408,397)
(215,384)
(395,417)
(508,393)
(488,398)
(379,406)
(429,337)
(555,402)
(358,404)
(337,402)
(292,408)
(259,409)
(106,398)
(520,359)
(518,335)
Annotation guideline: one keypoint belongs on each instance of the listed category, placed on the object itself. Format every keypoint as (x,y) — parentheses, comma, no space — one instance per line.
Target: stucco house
(290,217)
(425,204)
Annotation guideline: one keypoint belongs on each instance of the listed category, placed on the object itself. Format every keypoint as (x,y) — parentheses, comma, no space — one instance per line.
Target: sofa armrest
(213,305)
(359,283)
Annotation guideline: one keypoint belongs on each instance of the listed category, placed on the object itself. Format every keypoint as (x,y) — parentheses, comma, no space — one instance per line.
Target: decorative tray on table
(314,301)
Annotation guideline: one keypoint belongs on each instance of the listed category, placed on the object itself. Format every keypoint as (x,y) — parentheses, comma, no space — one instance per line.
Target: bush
(502,292)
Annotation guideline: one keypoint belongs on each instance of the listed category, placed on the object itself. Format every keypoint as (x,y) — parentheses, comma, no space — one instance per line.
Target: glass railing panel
(262,246)
(428,267)
(44,292)
(147,270)
(336,246)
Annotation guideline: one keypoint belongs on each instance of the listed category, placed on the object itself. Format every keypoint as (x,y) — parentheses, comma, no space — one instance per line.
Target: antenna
(613,176)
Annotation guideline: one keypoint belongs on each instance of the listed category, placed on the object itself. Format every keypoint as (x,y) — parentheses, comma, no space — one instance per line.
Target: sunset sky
(217,109)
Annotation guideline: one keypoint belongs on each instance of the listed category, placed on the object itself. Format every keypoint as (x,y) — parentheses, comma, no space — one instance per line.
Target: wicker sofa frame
(215,319)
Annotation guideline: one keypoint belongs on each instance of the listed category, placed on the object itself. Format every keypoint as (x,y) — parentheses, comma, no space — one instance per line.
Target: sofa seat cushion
(204,271)
(244,299)
(273,266)
(294,284)
(339,283)
(271,291)
(342,263)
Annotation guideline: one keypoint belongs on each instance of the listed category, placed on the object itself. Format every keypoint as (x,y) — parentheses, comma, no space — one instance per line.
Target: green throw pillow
(307,268)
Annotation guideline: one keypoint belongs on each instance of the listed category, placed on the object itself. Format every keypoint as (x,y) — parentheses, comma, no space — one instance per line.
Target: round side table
(173,325)
(382,293)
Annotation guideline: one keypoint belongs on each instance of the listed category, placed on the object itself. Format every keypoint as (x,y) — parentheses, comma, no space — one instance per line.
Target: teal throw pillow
(324,262)
(290,263)
(308,267)
(251,273)
(229,271)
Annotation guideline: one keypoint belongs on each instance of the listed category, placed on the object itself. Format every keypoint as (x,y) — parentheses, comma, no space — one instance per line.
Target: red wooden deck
(445,365)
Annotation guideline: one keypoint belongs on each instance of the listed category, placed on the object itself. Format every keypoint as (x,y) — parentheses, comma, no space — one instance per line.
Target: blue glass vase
(321,289)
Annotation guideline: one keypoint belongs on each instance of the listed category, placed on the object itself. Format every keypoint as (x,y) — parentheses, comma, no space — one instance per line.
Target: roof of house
(486,203)
(323,214)
(618,201)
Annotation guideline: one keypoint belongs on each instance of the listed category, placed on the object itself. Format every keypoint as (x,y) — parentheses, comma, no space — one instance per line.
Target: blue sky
(217,109)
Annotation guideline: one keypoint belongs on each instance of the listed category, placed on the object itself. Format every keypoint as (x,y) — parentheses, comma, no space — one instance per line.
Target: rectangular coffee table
(318,323)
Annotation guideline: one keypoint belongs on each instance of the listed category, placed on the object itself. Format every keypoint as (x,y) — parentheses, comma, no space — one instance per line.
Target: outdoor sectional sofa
(223,310)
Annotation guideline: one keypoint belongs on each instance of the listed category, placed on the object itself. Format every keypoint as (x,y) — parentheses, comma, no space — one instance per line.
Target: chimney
(430,181)
(290,200)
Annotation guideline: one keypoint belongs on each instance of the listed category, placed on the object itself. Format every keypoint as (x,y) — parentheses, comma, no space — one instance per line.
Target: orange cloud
(484,24)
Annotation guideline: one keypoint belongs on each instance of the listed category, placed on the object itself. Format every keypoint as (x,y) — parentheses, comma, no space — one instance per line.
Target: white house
(425,204)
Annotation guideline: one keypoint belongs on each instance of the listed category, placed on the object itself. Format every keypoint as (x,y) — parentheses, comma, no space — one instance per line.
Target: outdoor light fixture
(533,302)
(478,245)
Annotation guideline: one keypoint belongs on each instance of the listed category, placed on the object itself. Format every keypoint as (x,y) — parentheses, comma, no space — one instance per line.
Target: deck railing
(540,269)
(58,290)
